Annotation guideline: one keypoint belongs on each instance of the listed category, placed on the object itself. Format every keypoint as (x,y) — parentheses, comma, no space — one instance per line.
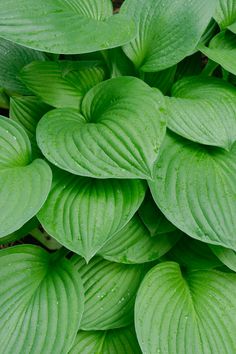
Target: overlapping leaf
(133,244)
(118,341)
(222,50)
(13,58)
(118,134)
(68,27)
(24,184)
(83,213)
(225,255)
(195,188)
(203,110)
(193,312)
(225,14)
(162,39)
(110,290)
(62,83)
(41,302)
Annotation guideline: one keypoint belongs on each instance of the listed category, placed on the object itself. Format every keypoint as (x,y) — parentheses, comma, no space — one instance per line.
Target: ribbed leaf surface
(225,255)
(63,83)
(195,188)
(24,184)
(41,302)
(118,341)
(118,134)
(225,14)
(64,26)
(110,291)
(193,312)
(133,244)
(83,213)
(162,39)
(201,112)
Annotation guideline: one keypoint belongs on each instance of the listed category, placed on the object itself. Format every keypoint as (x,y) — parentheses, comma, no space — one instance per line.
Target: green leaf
(195,187)
(193,254)
(222,50)
(118,63)
(168,30)
(133,244)
(64,27)
(110,290)
(225,14)
(83,213)
(27,111)
(118,341)
(4,99)
(13,58)
(23,231)
(24,184)
(203,110)
(62,83)
(192,312)
(153,219)
(225,255)
(118,134)
(163,80)
(41,302)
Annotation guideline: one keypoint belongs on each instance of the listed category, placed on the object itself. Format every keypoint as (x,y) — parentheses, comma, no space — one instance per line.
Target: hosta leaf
(13,58)
(4,99)
(153,219)
(225,14)
(193,312)
(195,188)
(200,111)
(83,213)
(62,83)
(163,80)
(68,27)
(27,111)
(23,231)
(41,302)
(225,255)
(118,134)
(110,290)
(193,254)
(118,63)
(222,50)
(24,184)
(162,39)
(133,244)
(118,341)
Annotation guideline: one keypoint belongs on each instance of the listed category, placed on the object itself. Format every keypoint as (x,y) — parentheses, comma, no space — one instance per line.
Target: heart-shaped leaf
(41,301)
(68,27)
(27,111)
(222,50)
(83,213)
(110,291)
(162,39)
(202,112)
(118,134)
(13,58)
(24,184)
(133,244)
(62,83)
(118,341)
(192,312)
(195,187)
(225,14)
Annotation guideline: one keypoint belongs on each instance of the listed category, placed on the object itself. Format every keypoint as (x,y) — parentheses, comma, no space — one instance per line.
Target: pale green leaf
(222,50)
(64,26)
(168,30)
(62,83)
(24,184)
(118,341)
(41,302)
(203,112)
(191,312)
(110,291)
(225,14)
(23,231)
(117,135)
(83,213)
(13,58)
(225,255)
(133,244)
(195,187)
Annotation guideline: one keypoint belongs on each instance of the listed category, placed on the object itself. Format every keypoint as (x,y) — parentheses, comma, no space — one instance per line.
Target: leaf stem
(46,240)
